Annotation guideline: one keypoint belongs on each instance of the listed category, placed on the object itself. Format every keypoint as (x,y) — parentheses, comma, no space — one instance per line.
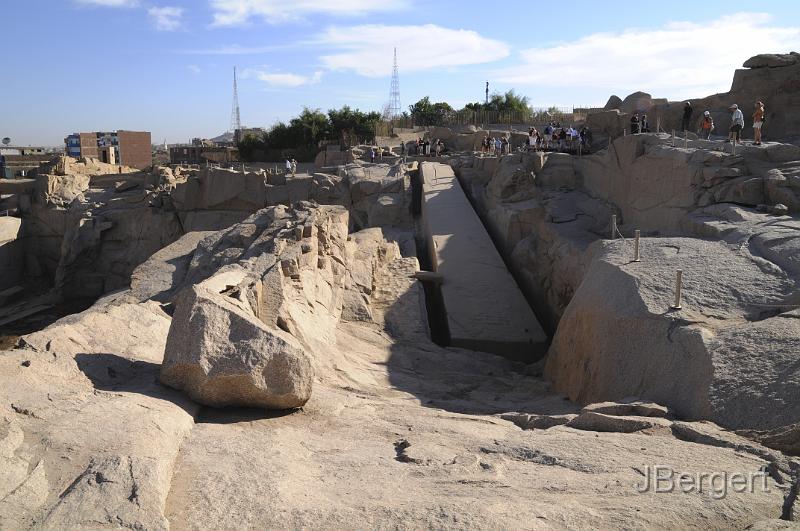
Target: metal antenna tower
(394,93)
(236,120)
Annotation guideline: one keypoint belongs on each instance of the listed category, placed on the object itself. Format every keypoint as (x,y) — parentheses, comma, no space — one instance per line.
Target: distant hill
(224,137)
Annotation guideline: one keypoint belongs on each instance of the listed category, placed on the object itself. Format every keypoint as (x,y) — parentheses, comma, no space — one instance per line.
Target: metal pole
(678,289)
(685,139)
(673,138)
(733,146)
(613,226)
(637,234)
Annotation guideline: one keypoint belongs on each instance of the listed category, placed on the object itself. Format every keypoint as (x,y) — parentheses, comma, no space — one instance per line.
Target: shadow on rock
(113,373)
(459,380)
(110,372)
(234,415)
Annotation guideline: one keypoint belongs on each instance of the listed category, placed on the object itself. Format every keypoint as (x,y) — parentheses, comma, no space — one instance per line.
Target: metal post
(613,226)
(733,146)
(637,234)
(678,289)
(673,138)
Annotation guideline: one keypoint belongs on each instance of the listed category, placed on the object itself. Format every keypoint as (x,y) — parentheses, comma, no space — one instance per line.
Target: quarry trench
(483,306)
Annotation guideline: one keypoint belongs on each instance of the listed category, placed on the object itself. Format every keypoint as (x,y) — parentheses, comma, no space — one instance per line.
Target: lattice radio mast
(236,119)
(394,93)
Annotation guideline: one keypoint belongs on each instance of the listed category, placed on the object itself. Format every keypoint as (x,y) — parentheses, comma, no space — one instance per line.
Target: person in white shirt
(288,166)
(737,124)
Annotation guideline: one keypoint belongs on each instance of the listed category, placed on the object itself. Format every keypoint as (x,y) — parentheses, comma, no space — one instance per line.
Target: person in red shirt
(706,126)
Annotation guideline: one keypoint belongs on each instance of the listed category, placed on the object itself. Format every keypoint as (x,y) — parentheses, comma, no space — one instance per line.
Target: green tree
(352,123)
(312,125)
(302,135)
(510,101)
(426,113)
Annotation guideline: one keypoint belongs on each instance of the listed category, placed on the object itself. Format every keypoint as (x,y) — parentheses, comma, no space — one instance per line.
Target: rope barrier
(624,240)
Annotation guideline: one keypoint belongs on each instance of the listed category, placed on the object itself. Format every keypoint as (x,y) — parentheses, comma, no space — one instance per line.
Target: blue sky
(166,65)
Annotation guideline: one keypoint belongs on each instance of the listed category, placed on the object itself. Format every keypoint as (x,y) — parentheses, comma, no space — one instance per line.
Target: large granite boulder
(607,124)
(160,276)
(60,190)
(772,60)
(614,102)
(261,302)
(333,157)
(730,354)
(220,354)
(639,102)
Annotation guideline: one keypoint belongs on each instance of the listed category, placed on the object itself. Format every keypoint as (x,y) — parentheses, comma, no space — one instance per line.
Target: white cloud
(368,49)
(679,60)
(234,12)
(110,3)
(166,18)
(236,49)
(283,79)
(194,69)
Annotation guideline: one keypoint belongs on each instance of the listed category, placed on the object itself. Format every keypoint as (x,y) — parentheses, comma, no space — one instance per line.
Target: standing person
(562,139)
(737,124)
(706,126)
(586,138)
(575,136)
(548,133)
(294,167)
(372,155)
(687,116)
(758,122)
(644,127)
(635,123)
(288,166)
